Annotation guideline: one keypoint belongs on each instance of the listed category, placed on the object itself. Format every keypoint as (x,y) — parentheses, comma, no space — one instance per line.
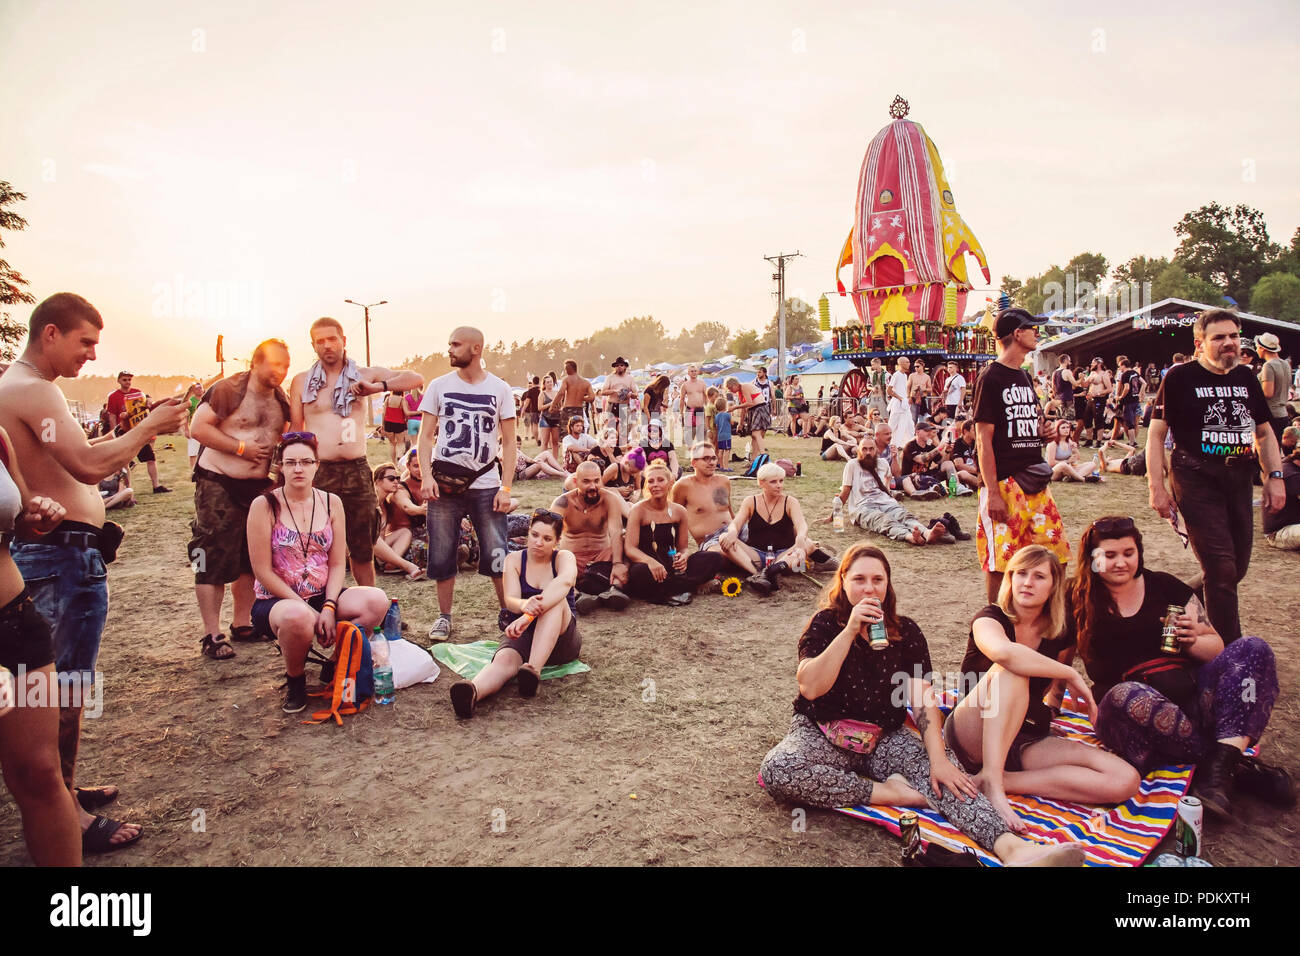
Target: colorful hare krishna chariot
(908,247)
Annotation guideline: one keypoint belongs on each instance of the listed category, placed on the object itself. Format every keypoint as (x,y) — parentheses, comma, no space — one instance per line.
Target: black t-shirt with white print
(1212,416)
(1134,379)
(1005,398)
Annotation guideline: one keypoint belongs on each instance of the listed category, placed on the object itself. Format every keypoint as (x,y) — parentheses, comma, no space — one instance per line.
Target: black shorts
(1029,733)
(567,646)
(146,453)
(1081,408)
(24,636)
(395,428)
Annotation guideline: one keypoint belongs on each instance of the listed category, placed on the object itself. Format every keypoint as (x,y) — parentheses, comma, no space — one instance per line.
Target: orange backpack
(353,686)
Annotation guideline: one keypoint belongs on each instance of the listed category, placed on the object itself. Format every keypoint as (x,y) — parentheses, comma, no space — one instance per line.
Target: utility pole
(367,308)
(779,277)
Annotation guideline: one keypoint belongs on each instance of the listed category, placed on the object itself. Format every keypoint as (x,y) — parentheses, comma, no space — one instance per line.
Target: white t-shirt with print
(469,422)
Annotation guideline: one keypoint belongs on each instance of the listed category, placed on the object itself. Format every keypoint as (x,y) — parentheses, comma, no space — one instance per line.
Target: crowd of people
(286,503)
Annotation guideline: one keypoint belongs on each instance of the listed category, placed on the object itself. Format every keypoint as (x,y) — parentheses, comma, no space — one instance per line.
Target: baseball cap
(1009,320)
(1248,345)
(617,362)
(120,374)
(1267,340)
(927,426)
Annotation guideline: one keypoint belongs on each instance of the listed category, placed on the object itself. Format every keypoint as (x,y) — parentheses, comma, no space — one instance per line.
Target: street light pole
(367,309)
(780,261)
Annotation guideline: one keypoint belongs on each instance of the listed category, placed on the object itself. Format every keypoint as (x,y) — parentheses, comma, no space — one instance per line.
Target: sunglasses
(288,438)
(544,513)
(1117,525)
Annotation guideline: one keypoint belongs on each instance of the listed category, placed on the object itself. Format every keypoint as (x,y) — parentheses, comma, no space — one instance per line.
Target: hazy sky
(544,170)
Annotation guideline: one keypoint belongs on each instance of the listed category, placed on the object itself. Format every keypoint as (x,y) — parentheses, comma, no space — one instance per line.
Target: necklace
(23,361)
(304,542)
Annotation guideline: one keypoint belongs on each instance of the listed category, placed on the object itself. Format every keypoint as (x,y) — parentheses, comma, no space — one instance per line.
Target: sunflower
(731,587)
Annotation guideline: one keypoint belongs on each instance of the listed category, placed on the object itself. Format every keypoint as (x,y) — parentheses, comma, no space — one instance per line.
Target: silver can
(1188,827)
(1196,861)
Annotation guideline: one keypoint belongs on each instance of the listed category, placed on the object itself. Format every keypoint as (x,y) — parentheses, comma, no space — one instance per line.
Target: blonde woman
(1018,655)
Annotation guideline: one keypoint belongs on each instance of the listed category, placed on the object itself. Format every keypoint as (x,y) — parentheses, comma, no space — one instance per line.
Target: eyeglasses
(1108,526)
(291,464)
(707,458)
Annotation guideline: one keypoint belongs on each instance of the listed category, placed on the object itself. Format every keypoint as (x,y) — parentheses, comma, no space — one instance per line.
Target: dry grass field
(651,758)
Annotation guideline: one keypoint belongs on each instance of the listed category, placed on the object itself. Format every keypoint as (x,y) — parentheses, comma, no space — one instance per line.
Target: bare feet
(895,791)
(1022,853)
(998,797)
(936,534)
(918,536)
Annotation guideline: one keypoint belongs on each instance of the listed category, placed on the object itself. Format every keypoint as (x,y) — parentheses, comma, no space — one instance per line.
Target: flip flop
(92,798)
(97,838)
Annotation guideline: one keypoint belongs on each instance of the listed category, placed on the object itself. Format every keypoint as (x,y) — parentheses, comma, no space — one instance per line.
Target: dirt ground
(649,759)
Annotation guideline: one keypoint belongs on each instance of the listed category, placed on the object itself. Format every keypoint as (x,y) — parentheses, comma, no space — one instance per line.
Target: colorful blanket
(1119,836)
(468,659)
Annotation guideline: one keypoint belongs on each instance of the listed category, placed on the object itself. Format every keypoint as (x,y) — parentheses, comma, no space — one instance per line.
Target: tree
(710,336)
(1277,296)
(1013,289)
(1088,267)
(744,343)
(1173,282)
(1140,269)
(11,280)
(1226,247)
(800,325)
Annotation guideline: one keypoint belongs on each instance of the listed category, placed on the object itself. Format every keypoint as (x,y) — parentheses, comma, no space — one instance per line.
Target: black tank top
(779,534)
(657,538)
(526,590)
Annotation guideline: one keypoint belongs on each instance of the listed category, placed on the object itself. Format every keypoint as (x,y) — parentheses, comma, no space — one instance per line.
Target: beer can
(877,636)
(1169,859)
(1187,828)
(1169,635)
(1196,861)
(909,828)
(798,469)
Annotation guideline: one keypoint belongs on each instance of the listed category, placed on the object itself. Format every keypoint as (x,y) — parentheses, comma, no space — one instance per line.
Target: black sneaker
(295,699)
(680,600)
(161,490)
(1265,781)
(586,603)
(760,583)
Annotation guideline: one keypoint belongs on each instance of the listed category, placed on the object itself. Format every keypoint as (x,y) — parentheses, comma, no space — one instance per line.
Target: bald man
(322,400)
(593,533)
(469,414)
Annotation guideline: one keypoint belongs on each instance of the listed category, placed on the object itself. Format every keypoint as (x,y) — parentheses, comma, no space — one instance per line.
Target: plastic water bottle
(952,487)
(770,558)
(392,626)
(837,513)
(383,668)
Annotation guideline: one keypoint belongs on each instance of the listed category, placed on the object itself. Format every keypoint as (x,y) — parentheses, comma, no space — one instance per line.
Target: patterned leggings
(1235,696)
(807,768)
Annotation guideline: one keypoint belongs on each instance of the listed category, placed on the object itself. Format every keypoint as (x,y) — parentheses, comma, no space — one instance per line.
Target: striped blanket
(1120,836)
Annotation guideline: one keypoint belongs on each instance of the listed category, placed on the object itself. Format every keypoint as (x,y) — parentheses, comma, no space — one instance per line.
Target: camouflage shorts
(351,480)
(218,551)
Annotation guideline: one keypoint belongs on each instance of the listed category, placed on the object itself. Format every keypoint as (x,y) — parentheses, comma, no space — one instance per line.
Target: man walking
(1216,411)
(65,570)
(1016,507)
(1128,385)
(237,424)
(1275,379)
(620,392)
(323,401)
(470,413)
(125,407)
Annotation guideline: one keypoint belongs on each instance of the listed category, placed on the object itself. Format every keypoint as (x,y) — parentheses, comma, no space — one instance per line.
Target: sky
(546,170)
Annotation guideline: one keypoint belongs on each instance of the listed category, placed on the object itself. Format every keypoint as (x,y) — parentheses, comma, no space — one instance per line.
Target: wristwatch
(1275,474)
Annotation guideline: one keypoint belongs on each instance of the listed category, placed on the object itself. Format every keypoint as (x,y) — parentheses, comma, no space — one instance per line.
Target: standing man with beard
(694,424)
(1216,411)
(470,413)
(324,402)
(237,424)
(593,534)
(65,569)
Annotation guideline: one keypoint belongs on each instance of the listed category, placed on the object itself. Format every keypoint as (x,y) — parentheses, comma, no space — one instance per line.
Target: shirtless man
(593,532)
(1099,386)
(620,392)
(919,388)
(706,496)
(694,422)
(572,393)
(65,570)
(323,402)
(238,423)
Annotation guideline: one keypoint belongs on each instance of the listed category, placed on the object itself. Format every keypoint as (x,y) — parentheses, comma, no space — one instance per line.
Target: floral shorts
(1031,519)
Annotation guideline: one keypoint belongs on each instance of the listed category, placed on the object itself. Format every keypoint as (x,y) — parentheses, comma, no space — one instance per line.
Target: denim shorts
(445,514)
(69,586)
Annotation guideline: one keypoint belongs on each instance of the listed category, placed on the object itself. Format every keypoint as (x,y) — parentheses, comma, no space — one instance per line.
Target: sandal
(529,679)
(464,698)
(98,837)
(214,647)
(246,634)
(92,798)
(417,575)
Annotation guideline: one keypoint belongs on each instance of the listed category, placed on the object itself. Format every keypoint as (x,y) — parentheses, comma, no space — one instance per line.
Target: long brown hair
(1089,595)
(834,599)
(1032,557)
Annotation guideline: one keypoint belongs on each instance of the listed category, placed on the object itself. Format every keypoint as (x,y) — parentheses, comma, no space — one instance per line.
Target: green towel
(468,659)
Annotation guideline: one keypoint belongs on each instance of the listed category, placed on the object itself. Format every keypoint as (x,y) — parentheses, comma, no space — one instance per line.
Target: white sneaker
(441,630)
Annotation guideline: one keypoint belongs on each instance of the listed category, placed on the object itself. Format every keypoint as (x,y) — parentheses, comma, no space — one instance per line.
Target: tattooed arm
(925,711)
(1199,640)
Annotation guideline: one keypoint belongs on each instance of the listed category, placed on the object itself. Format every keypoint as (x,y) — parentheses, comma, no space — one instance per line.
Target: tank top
(394,414)
(526,590)
(620,481)
(779,534)
(1062,451)
(656,539)
(306,573)
(11,503)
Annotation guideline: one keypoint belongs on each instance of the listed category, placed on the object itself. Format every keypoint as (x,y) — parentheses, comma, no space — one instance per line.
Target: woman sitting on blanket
(297,543)
(1000,731)
(539,606)
(848,743)
(1158,708)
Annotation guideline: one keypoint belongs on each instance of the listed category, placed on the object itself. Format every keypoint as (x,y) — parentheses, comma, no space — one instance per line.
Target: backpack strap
(347,657)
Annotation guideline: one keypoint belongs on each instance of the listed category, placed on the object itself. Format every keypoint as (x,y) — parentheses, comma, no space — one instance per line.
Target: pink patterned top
(306,573)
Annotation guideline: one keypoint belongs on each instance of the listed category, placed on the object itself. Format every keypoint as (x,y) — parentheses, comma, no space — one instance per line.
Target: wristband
(332,604)
(506,489)
(240,450)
